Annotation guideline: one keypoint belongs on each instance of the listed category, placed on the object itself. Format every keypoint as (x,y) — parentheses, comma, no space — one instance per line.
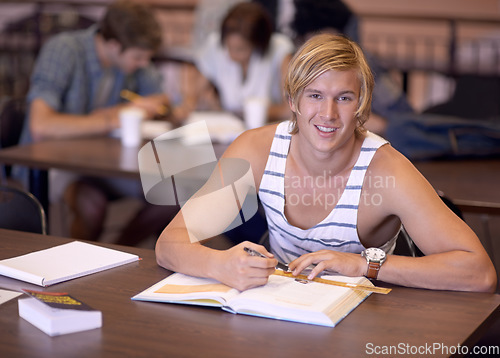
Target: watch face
(375,254)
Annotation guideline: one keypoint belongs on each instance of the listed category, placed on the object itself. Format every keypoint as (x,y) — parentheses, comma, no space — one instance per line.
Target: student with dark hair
(76,83)
(75,91)
(131,25)
(244,59)
(249,22)
(296,18)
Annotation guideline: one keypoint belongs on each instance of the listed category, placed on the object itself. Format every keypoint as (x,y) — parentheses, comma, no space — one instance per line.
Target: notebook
(64,262)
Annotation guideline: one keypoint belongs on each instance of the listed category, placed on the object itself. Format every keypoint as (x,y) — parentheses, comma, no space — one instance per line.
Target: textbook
(283,298)
(58,313)
(63,262)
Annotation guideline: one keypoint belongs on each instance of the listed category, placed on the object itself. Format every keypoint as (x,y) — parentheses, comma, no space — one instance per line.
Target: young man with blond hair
(329,87)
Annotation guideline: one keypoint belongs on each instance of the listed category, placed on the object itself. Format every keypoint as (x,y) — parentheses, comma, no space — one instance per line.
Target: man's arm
(46,123)
(178,248)
(59,60)
(455,258)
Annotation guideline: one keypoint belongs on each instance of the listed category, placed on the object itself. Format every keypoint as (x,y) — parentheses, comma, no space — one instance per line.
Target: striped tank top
(338,231)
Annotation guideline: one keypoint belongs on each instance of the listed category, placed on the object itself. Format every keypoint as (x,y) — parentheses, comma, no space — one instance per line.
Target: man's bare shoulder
(397,173)
(388,161)
(253,142)
(253,145)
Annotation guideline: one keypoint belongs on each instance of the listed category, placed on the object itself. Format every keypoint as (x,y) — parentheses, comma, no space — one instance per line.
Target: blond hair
(322,53)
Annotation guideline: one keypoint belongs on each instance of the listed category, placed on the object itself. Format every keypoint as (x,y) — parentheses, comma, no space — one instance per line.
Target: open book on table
(282,297)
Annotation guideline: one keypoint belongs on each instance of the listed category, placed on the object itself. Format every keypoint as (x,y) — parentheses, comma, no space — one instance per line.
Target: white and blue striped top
(338,231)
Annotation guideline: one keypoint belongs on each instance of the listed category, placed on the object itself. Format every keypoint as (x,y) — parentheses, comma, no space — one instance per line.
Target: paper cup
(130,121)
(255,112)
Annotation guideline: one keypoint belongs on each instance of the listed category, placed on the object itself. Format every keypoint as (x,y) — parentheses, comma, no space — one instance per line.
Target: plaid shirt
(67,75)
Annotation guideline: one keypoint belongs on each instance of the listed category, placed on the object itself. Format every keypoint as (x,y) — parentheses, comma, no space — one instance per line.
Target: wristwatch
(375,257)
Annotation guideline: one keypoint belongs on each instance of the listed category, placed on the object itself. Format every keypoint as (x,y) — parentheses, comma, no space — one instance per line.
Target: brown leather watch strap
(373,268)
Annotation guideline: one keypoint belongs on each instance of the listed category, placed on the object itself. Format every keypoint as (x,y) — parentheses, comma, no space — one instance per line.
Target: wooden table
(98,156)
(95,156)
(92,156)
(405,318)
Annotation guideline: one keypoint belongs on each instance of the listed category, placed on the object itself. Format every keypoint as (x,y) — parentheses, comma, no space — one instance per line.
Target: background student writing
(75,91)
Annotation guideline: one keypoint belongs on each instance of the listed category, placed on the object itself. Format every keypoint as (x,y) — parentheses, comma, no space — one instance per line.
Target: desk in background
(407,317)
(100,156)
(471,184)
(465,181)
(96,156)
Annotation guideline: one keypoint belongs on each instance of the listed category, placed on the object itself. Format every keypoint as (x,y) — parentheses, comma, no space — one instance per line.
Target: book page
(302,301)
(182,289)
(291,293)
(187,289)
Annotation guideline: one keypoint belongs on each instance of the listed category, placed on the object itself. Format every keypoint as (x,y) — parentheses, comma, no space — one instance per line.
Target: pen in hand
(130,96)
(253,252)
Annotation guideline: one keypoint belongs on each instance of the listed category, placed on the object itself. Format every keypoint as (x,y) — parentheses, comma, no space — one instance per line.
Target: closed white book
(63,262)
(57,314)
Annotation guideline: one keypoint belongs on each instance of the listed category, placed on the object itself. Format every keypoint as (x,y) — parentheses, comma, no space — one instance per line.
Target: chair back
(12,118)
(21,210)
(12,115)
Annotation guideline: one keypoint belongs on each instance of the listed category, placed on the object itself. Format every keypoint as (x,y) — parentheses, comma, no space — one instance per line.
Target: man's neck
(336,163)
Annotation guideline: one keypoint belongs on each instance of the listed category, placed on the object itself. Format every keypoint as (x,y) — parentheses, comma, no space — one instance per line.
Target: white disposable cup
(131,123)
(255,112)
